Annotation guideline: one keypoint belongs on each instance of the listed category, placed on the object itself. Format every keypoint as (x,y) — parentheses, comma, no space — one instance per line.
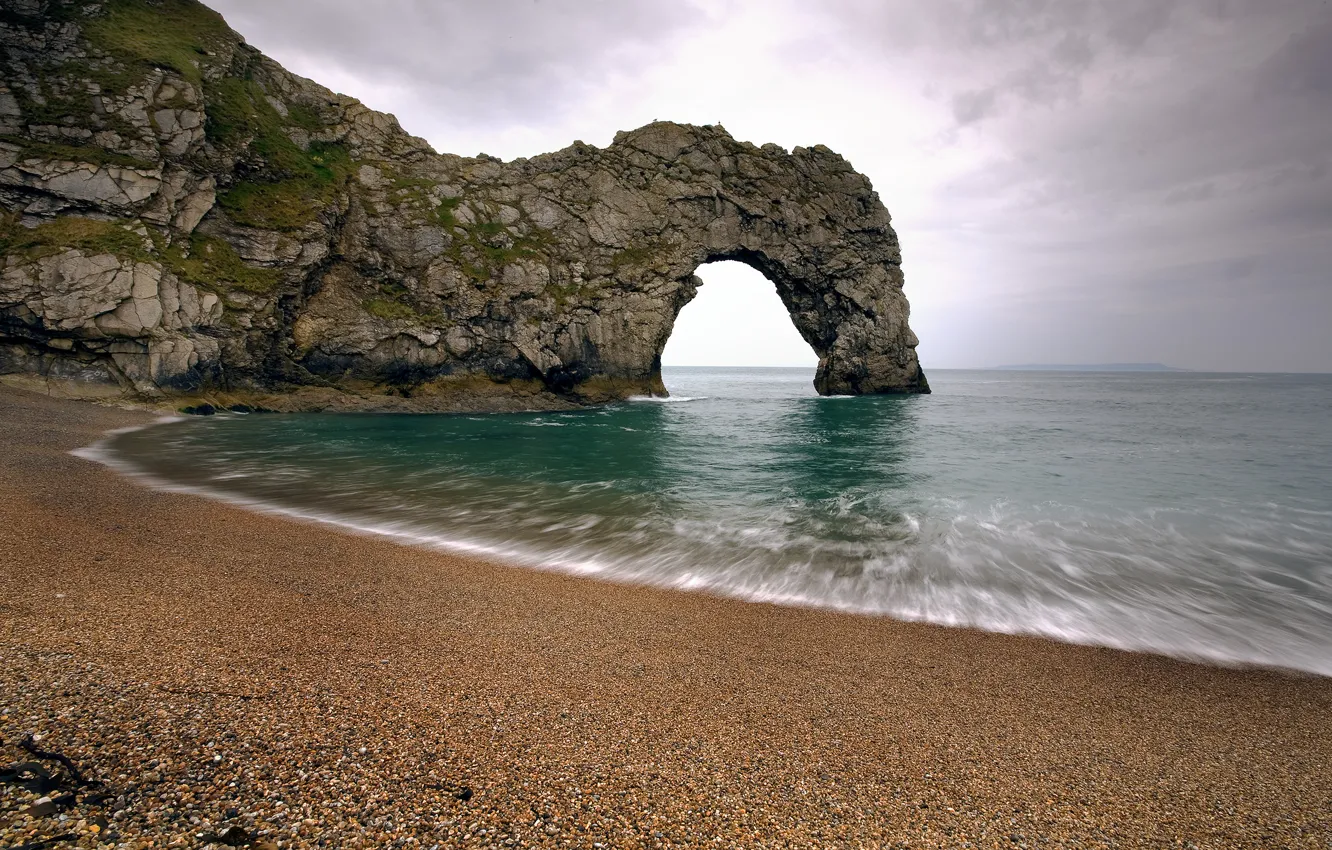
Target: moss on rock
(93,236)
(214,265)
(177,35)
(291,200)
(383,308)
(33,149)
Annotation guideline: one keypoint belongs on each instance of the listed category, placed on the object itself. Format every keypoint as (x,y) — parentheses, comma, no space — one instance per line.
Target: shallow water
(1189,514)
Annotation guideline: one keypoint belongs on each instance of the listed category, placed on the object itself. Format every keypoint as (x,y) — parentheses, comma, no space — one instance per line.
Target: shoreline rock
(186,218)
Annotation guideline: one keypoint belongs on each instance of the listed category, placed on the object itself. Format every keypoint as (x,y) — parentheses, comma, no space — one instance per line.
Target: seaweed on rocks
(37,778)
(31,775)
(75,776)
(47,842)
(235,836)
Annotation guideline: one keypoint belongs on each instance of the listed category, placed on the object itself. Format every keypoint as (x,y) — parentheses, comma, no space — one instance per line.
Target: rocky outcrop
(184,217)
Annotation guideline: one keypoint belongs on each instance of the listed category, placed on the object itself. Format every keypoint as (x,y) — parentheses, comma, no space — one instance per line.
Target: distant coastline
(1089,367)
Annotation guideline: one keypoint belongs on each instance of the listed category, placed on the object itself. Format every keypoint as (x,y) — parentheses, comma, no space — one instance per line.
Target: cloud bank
(1073,180)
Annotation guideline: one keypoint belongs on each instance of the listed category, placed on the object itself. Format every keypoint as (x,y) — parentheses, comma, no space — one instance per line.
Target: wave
(1031,519)
(100,451)
(673,399)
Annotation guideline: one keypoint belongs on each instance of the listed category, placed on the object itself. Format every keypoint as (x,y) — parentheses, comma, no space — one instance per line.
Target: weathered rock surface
(183,216)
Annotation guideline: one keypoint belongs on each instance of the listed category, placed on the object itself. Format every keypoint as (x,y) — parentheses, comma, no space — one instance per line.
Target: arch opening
(737,318)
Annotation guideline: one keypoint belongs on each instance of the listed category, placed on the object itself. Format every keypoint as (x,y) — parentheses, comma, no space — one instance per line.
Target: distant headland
(1089,367)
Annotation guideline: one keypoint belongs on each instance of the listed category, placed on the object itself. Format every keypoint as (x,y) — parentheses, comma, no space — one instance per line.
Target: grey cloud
(1191,193)
(972,106)
(1171,164)
(1130,24)
(494,61)
(1241,269)
(1213,115)
(1040,51)
(1073,50)
(1068,25)
(1303,65)
(1054,76)
(998,23)
(1148,158)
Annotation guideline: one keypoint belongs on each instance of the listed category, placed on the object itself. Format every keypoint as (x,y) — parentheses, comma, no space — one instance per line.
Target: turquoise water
(1189,514)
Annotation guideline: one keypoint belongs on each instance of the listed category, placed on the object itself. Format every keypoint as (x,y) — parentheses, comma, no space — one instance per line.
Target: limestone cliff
(183,217)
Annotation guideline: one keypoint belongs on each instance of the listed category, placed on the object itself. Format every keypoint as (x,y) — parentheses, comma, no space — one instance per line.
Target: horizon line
(1073,367)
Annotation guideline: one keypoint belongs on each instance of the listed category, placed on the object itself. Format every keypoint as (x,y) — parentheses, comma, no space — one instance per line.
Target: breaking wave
(1010,506)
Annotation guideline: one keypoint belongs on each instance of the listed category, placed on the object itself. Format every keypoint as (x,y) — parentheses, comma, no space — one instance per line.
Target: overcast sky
(1073,181)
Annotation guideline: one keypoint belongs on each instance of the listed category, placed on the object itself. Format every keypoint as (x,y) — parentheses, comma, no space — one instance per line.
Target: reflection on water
(1176,513)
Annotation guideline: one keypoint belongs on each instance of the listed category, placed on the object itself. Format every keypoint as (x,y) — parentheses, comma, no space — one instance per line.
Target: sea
(1188,514)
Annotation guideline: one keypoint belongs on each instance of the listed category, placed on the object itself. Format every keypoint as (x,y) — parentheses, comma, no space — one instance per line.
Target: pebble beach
(224,678)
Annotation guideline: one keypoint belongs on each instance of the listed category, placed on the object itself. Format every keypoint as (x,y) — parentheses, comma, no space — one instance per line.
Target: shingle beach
(217,675)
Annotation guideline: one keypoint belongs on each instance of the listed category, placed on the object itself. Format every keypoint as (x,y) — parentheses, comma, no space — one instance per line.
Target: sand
(217,668)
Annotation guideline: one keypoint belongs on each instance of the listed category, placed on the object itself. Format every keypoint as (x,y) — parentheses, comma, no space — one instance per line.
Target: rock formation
(184,218)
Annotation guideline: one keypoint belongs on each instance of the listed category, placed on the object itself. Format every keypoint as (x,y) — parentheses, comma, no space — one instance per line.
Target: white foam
(98,451)
(659,399)
(1058,575)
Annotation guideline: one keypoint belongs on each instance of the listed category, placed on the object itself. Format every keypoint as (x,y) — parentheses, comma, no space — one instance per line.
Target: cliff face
(183,217)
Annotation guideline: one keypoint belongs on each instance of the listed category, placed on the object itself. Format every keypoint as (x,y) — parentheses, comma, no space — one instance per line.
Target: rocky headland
(183,219)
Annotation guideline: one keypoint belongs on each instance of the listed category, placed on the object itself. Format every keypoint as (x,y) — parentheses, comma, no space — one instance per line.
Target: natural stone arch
(253,238)
(831,329)
(684,196)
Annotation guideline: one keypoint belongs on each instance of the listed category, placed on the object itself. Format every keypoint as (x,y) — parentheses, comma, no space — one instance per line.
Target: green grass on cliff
(414,193)
(482,249)
(70,232)
(394,302)
(284,187)
(294,200)
(571,292)
(239,114)
(444,212)
(174,34)
(75,153)
(287,186)
(281,186)
(388,310)
(209,263)
(129,39)
(646,255)
(214,265)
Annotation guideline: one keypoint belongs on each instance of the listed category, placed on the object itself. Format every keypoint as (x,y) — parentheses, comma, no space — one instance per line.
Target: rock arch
(600,249)
(671,198)
(262,240)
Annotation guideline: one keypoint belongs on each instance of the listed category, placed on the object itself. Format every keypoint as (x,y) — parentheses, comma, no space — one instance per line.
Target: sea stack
(183,219)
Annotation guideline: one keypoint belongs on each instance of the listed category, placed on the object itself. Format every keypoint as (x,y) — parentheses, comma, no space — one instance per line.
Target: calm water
(1184,513)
